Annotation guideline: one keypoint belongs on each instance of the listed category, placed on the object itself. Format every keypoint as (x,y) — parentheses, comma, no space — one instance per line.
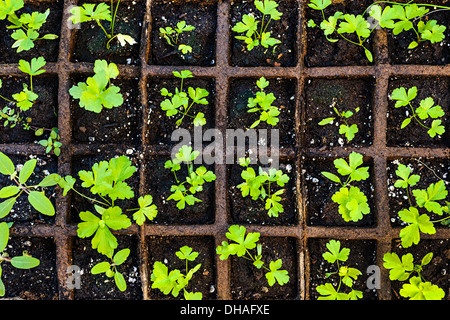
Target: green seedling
(98,92)
(426,110)
(347,275)
(401,270)
(352,202)
(181,102)
(101,12)
(110,268)
(259,186)
(25,261)
(241,246)
(429,199)
(256,30)
(183,192)
(172,36)
(35,193)
(346,129)
(27,25)
(174,281)
(262,103)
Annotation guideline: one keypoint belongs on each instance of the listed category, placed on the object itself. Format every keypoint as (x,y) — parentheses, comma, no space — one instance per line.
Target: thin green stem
(89,198)
(114,17)
(100,25)
(6,99)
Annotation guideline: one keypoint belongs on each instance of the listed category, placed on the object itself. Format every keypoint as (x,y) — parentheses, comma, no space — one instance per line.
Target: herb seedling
(27,25)
(262,103)
(256,35)
(183,192)
(347,275)
(98,13)
(346,129)
(178,103)
(36,196)
(107,181)
(98,92)
(425,198)
(352,202)
(240,247)
(401,270)
(426,110)
(259,186)
(172,36)
(174,281)
(110,268)
(25,261)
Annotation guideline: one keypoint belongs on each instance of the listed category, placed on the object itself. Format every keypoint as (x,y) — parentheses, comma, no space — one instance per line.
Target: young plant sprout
(401,270)
(240,247)
(110,269)
(347,275)
(25,261)
(27,25)
(181,102)
(183,192)
(174,281)
(262,103)
(98,13)
(346,129)
(352,201)
(255,30)
(172,36)
(426,110)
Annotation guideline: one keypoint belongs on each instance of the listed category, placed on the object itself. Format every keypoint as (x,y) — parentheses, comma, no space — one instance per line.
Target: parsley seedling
(347,275)
(256,35)
(352,202)
(240,247)
(183,192)
(426,110)
(401,270)
(259,186)
(174,281)
(110,268)
(346,129)
(262,103)
(181,102)
(172,36)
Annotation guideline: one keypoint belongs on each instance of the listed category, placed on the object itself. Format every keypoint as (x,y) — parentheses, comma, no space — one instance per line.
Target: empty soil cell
(283,90)
(426,53)
(247,210)
(39,283)
(119,125)
(200,14)
(158,183)
(89,41)
(48,49)
(43,113)
(320,209)
(430,171)
(284,29)
(415,135)
(435,272)
(321,95)
(160,126)
(22,211)
(163,249)
(101,287)
(249,283)
(362,255)
(322,53)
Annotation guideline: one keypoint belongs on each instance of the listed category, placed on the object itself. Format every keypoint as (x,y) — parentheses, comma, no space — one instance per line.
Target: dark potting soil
(163,249)
(90,40)
(362,255)
(320,209)
(415,135)
(346,95)
(200,14)
(249,283)
(42,48)
(284,29)
(39,283)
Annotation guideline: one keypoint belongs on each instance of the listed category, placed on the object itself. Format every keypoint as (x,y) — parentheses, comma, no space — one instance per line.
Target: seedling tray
(298,237)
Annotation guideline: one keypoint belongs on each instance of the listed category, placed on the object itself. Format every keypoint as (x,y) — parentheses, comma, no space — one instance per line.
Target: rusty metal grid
(62,231)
